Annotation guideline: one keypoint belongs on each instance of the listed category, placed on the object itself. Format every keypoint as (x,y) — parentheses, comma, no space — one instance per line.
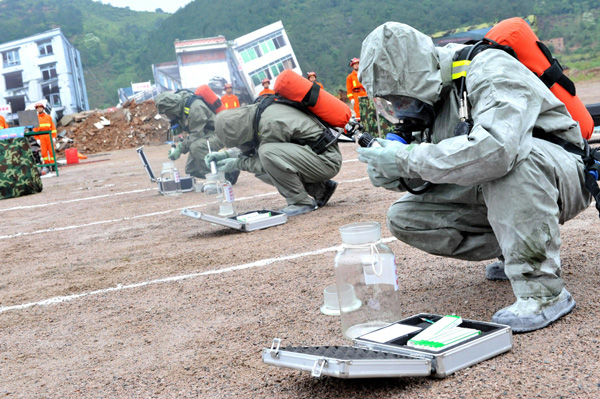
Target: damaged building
(244,62)
(42,66)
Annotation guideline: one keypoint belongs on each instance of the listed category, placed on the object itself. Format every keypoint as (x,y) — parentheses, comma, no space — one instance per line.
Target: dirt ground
(106,291)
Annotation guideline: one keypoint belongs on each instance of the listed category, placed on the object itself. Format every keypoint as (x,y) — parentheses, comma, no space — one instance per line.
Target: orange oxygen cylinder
(212,100)
(516,33)
(324,105)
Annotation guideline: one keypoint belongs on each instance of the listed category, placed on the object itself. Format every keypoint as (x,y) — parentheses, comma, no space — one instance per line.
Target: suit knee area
(266,151)
(396,220)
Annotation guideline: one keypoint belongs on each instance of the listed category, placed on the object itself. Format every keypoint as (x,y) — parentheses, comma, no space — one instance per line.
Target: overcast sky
(148,5)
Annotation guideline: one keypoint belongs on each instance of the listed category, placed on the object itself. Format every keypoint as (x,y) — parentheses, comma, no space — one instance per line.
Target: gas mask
(409,115)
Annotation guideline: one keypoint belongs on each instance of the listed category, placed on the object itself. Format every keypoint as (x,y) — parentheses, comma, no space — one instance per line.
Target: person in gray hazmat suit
(284,152)
(199,122)
(495,192)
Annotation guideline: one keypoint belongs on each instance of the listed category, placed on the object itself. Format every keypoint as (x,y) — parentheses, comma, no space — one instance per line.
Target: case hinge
(318,367)
(275,348)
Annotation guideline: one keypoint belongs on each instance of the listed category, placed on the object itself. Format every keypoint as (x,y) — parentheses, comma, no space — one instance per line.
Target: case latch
(275,348)
(320,363)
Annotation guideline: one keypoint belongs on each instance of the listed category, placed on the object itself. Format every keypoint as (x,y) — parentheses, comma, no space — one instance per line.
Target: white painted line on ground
(76,200)
(16,208)
(55,229)
(120,287)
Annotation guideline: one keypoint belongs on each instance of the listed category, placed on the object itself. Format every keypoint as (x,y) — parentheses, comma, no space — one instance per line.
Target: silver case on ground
(187,182)
(494,340)
(276,219)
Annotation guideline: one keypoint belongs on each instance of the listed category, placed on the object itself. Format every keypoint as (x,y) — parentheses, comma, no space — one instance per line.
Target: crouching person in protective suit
(496,192)
(198,121)
(279,151)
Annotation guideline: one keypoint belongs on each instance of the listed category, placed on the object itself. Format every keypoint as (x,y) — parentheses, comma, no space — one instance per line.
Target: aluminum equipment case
(394,358)
(275,219)
(187,182)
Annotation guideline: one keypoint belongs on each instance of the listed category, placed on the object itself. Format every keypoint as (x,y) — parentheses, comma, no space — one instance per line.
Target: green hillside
(118,45)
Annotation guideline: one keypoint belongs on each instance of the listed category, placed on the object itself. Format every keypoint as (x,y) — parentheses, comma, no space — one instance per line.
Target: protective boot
(299,209)
(529,314)
(330,186)
(495,270)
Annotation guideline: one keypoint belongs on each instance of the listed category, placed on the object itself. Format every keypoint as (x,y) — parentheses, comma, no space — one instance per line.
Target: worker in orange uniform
(354,88)
(229,100)
(266,83)
(46,123)
(312,76)
(3,124)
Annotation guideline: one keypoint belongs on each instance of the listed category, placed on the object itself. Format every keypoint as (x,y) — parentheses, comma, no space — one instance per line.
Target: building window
(261,48)
(51,92)
(251,53)
(16,103)
(258,77)
(279,41)
(289,63)
(13,80)
(11,58)
(272,70)
(48,72)
(45,48)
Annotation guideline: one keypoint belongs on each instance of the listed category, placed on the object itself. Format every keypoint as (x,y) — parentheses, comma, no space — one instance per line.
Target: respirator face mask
(408,115)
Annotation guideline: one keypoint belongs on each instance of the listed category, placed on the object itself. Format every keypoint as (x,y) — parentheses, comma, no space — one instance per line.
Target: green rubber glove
(175,153)
(227,165)
(381,161)
(216,157)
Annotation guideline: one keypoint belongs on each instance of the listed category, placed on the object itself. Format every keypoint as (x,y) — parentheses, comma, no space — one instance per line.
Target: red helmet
(38,105)
(266,80)
(354,61)
(228,86)
(309,74)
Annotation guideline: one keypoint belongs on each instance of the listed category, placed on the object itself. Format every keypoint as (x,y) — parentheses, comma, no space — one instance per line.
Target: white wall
(194,75)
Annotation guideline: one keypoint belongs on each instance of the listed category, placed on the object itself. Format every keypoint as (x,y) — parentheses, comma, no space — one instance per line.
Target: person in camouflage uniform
(368,118)
(18,172)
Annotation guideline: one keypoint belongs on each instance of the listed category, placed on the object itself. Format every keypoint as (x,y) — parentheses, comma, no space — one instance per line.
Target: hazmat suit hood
(397,59)
(171,104)
(234,127)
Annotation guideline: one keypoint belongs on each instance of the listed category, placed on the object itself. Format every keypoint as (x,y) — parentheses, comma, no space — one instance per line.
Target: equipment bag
(19,174)
(325,106)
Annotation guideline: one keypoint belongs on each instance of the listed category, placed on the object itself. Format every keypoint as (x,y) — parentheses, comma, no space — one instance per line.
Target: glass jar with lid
(366,275)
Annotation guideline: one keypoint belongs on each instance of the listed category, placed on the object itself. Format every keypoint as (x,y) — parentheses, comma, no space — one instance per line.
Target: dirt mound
(112,129)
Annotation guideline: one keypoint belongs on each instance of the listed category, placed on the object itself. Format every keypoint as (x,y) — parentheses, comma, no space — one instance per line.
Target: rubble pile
(96,131)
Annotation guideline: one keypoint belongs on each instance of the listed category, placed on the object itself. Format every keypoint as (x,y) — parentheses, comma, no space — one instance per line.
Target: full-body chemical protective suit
(198,121)
(299,174)
(497,191)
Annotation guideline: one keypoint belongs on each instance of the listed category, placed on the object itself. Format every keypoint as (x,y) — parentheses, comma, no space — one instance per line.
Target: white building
(201,59)
(265,53)
(43,66)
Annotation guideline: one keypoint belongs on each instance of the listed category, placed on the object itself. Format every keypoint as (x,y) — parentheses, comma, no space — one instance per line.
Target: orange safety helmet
(266,80)
(309,74)
(228,86)
(354,61)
